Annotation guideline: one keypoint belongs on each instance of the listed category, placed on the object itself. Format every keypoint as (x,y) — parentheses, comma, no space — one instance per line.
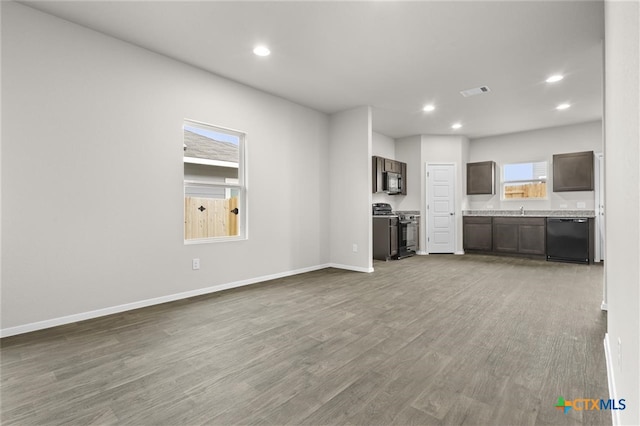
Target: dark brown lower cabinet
(477,233)
(385,238)
(505,235)
(521,235)
(518,236)
(524,236)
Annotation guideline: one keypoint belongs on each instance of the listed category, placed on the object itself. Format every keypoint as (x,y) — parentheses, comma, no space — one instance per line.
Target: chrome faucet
(521,210)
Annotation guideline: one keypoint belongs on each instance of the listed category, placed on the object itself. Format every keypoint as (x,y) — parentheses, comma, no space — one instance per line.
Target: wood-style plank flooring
(427,340)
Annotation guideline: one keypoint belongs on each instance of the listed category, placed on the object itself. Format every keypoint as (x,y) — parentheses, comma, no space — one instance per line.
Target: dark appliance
(568,240)
(392,183)
(407,236)
(381,209)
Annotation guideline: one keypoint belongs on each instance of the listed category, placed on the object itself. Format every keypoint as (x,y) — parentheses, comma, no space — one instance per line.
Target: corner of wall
(350,196)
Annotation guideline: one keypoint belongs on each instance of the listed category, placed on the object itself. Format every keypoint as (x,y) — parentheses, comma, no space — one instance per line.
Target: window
(214,186)
(524,180)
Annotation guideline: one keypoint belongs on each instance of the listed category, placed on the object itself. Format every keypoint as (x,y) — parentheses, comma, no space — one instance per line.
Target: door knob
(451,213)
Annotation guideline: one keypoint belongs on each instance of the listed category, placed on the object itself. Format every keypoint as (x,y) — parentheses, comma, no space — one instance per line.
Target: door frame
(599,207)
(425,233)
(599,228)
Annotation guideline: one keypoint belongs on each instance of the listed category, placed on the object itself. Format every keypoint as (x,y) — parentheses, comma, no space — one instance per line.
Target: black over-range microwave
(392,183)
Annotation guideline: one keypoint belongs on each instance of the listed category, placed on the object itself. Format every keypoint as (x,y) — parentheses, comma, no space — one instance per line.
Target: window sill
(214,240)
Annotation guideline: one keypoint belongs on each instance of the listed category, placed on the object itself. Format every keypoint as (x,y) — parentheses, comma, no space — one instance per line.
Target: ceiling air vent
(476,91)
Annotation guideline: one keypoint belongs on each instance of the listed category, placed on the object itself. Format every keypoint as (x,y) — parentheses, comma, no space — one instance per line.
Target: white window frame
(228,184)
(504,183)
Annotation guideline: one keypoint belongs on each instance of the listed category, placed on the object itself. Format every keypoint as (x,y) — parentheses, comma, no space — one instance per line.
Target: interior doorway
(441,184)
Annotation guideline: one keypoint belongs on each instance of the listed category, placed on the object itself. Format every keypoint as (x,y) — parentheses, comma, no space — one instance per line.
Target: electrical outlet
(195,264)
(355,248)
(489,206)
(581,205)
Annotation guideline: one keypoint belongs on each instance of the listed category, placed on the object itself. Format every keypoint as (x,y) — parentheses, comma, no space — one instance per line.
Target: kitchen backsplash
(556,201)
(541,213)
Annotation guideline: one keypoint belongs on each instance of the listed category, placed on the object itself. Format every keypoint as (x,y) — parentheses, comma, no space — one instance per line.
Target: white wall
(92,193)
(350,189)
(384,146)
(622,175)
(536,145)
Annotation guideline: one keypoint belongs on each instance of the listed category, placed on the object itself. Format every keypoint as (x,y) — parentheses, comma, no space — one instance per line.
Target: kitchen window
(524,181)
(214,183)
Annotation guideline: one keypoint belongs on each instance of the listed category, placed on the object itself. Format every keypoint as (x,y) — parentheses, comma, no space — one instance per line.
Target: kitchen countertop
(531,213)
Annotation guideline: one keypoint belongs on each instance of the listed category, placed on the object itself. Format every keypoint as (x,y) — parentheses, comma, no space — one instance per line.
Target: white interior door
(441,208)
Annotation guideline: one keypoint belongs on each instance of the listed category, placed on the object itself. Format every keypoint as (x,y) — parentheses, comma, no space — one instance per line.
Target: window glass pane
(213,149)
(210,211)
(524,180)
(525,171)
(213,183)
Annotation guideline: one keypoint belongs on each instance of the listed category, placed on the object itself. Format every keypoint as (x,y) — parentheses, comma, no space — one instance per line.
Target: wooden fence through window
(210,217)
(526,190)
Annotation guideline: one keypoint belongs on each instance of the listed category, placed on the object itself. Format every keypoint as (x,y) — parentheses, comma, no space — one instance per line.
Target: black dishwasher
(568,240)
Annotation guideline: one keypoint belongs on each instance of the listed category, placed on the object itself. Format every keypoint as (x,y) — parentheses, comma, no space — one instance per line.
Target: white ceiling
(392,55)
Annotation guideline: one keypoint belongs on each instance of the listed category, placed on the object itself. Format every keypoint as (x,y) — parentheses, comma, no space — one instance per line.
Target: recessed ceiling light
(563,106)
(262,51)
(456,126)
(428,108)
(554,78)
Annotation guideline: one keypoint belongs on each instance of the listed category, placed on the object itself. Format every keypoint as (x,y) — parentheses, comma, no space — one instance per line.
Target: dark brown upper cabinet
(380,165)
(403,174)
(481,178)
(392,166)
(573,172)
(377,169)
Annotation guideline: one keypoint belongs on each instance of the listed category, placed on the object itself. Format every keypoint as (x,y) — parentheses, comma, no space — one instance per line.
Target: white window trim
(207,162)
(240,183)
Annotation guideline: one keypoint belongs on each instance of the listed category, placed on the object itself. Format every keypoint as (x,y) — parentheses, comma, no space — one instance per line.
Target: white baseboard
(459,252)
(613,394)
(350,268)
(40,325)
